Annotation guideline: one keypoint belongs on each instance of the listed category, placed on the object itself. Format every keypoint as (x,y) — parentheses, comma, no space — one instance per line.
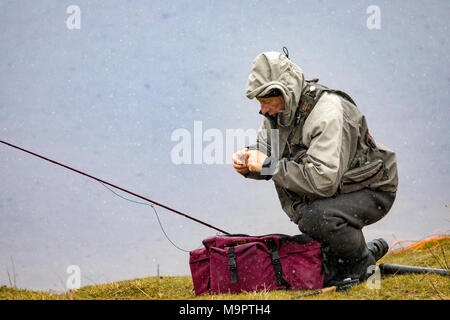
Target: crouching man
(331,177)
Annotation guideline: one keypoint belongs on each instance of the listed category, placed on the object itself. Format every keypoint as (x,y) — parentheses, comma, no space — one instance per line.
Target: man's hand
(240,161)
(255,160)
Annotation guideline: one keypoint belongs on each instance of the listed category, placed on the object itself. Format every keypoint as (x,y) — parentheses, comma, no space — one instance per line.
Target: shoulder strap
(312,93)
(309,98)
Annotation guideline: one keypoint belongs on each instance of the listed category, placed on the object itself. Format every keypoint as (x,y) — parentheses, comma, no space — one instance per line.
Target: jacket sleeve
(262,144)
(320,175)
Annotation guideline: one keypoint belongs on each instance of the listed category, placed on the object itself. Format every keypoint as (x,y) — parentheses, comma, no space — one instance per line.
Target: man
(331,177)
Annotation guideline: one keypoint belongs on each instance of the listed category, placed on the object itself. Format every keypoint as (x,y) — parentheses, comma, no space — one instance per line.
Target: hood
(272,70)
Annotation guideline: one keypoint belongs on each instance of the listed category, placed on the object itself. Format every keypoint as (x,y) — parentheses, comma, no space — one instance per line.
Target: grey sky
(106,98)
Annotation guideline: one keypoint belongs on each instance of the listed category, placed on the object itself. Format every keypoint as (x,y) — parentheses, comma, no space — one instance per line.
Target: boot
(378,248)
(337,269)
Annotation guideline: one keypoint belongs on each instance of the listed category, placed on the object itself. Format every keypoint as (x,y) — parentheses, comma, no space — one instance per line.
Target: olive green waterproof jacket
(333,137)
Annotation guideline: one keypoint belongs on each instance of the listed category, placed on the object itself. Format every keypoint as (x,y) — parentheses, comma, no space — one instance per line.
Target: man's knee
(321,221)
(313,220)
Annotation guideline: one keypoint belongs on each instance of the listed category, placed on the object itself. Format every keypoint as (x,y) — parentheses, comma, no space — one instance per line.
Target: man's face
(271,105)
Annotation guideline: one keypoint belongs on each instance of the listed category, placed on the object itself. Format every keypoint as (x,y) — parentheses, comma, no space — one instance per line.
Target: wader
(336,223)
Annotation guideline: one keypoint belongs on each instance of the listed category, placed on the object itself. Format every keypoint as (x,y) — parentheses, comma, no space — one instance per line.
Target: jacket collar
(272,119)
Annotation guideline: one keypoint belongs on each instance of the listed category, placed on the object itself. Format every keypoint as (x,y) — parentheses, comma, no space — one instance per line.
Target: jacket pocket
(362,177)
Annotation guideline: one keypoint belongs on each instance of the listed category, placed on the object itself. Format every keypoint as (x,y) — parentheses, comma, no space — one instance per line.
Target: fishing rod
(117,187)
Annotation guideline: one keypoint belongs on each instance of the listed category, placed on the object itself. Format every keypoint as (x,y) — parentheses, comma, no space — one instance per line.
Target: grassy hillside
(427,254)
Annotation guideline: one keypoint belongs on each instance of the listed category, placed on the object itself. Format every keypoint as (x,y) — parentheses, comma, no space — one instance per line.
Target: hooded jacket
(332,136)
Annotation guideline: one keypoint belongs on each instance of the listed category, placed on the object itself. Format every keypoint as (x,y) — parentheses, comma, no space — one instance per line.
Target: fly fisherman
(331,177)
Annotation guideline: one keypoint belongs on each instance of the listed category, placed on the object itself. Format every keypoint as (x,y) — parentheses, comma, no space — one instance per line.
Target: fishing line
(157,217)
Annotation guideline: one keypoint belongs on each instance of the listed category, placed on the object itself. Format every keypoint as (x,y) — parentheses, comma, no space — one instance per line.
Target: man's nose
(264,109)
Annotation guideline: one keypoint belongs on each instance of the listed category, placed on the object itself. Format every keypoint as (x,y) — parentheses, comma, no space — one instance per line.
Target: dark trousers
(336,222)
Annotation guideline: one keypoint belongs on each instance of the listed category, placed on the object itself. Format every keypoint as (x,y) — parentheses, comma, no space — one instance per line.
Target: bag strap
(232,264)
(276,261)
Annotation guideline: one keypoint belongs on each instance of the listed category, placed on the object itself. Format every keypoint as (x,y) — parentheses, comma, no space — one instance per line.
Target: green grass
(393,287)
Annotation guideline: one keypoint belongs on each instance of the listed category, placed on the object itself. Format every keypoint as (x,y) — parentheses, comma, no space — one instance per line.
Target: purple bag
(236,263)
